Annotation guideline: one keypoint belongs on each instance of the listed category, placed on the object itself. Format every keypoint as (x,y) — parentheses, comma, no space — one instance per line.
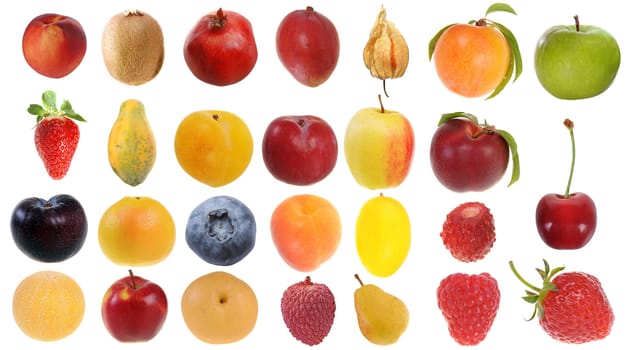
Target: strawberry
(468,231)
(469,304)
(56,134)
(572,307)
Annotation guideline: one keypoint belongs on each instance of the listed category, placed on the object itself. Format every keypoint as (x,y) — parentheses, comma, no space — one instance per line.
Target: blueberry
(221,230)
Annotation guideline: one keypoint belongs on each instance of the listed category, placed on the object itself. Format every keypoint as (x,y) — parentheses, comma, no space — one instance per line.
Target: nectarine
(53,44)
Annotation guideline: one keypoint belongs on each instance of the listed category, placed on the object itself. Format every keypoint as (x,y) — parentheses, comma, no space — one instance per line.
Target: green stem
(520,278)
(569,124)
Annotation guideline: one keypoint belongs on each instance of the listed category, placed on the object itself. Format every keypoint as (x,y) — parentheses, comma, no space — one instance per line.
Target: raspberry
(468,232)
(469,304)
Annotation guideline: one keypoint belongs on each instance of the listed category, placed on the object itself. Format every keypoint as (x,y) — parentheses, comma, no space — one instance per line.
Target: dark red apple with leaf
(134,309)
(307,44)
(299,149)
(53,44)
(569,220)
(221,49)
(468,156)
(49,230)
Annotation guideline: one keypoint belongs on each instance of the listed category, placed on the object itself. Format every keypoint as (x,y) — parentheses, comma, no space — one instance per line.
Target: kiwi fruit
(133,47)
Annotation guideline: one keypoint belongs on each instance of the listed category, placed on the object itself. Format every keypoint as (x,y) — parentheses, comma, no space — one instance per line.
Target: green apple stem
(569,124)
(577,23)
(133,279)
(356,275)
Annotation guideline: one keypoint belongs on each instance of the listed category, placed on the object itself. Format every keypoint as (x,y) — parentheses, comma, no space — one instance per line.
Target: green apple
(576,61)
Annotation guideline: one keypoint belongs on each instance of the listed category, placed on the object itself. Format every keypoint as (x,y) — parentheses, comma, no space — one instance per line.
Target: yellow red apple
(54,45)
(379,147)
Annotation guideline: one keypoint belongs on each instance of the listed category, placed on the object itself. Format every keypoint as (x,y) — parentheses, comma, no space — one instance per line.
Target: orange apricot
(477,58)
(306,230)
(471,60)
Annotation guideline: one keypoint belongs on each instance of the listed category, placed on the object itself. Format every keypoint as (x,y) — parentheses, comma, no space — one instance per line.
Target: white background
(527,111)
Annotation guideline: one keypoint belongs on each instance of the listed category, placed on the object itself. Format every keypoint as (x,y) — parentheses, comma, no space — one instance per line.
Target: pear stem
(356,275)
(569,124)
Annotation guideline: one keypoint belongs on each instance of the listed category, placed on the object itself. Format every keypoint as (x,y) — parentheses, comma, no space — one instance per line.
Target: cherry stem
(577,23)
(356,275)
(385,89)
(133,279)
(569,124)
(380,101)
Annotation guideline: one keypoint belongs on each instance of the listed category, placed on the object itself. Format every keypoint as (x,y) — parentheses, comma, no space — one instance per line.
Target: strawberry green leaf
(36,110)
(66,109)
(435,39)
(500,7)
(49,108)
(516,165)
(49,99)
(448,116)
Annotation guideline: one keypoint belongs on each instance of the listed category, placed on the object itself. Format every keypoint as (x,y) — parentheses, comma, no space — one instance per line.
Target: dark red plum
(50,230)
(221,230)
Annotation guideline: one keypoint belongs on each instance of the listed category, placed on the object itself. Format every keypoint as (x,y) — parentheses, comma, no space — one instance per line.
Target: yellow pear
(382,317)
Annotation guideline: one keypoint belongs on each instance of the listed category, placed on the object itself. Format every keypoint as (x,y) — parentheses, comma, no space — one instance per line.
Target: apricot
(471,60)
(306,230)
(214,147)
(48,305)
(136,231)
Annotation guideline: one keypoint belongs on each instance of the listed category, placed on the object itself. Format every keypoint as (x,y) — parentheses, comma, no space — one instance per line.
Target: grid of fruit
(476,59)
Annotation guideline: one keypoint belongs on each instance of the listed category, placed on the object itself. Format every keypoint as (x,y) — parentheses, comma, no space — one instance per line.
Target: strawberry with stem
(56,133)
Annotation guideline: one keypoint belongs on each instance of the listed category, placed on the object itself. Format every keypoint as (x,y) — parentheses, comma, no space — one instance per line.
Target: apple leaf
(448,116)
(516,164)
(435,38)
(500,6)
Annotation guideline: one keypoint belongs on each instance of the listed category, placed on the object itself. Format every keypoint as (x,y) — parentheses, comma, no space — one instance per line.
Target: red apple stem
(577,23)
(569,124)
(133,279)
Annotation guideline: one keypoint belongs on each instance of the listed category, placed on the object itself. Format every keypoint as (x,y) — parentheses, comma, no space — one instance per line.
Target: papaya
(131,146)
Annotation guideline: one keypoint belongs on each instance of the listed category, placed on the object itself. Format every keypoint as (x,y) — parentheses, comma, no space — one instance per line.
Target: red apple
(299,150)
(307,44)
(221,49)
(54,45)
(566,221)
(468,156)
(134,309)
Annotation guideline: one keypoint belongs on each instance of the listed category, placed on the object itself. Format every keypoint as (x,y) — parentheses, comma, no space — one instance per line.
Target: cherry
(566,221)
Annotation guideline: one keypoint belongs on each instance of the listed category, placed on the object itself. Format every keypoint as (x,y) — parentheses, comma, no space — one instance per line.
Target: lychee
(469,232)
(308,310)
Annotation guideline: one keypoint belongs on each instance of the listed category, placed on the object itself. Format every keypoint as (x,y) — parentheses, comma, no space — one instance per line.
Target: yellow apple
(379,147)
